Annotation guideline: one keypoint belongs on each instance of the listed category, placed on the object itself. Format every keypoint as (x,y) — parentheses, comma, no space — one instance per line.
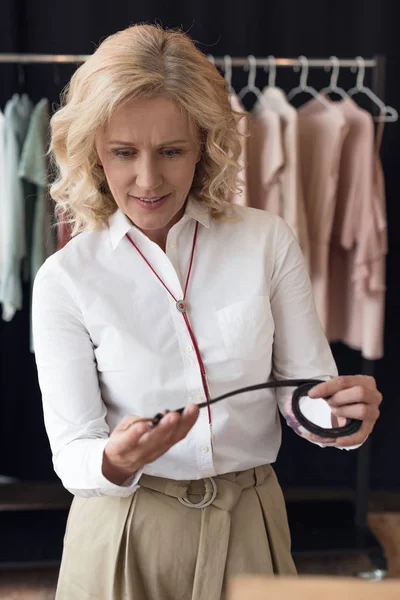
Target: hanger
(304,87)
(387,113)
(333,86)
(228,72)
(56,75)
(21,78)
(271,68)
(251,84)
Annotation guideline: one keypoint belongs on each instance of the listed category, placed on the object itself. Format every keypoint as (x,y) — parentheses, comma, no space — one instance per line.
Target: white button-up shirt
(110,341)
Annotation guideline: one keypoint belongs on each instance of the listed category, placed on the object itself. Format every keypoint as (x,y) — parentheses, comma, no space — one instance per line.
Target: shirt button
(172,244)
(199,398)
(204,449)
(190,349)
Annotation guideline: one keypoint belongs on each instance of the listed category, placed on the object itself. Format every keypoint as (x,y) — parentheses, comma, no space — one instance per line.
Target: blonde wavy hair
(140,61)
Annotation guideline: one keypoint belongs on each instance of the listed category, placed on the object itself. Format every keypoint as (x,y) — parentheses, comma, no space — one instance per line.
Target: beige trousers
(151,546)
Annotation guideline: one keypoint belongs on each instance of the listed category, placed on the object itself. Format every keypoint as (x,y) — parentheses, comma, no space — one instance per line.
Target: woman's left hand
(351,397)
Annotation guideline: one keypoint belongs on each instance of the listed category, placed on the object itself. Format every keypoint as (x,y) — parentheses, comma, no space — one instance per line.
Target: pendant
(181,305)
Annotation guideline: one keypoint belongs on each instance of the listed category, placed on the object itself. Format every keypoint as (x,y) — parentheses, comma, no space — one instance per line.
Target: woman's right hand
(133,445)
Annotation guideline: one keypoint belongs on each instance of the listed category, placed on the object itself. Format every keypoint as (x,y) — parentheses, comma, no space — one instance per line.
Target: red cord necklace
(182,306)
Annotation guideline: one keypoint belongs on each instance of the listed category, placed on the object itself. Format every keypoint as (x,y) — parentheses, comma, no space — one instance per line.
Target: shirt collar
(119,224)
(198,210)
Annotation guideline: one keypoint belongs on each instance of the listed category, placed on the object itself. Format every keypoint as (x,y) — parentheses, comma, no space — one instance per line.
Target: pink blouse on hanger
(359,240)
(243,129)
(322,129)
(293,209)
(265,160)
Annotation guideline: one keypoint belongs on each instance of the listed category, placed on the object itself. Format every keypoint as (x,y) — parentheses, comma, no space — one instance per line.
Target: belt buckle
(202,503)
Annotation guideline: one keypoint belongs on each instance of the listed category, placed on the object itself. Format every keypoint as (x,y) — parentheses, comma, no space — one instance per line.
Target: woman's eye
(123,153)
(172,152)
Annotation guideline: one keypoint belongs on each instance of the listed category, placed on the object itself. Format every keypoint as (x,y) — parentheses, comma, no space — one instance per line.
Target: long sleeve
(74,412)
(300,347)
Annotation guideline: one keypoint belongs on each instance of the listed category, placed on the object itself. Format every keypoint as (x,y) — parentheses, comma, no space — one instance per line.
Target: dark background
(284,28)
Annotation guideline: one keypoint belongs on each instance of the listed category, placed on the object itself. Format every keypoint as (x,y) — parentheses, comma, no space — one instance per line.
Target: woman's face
(149,154)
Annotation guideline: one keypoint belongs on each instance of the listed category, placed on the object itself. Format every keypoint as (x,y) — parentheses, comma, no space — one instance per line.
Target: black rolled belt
(302,387)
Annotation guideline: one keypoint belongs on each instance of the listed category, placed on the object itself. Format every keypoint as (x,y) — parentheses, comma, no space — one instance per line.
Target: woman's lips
(150,205)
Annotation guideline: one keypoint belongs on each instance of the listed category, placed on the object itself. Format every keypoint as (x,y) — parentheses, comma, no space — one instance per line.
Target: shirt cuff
(89,480)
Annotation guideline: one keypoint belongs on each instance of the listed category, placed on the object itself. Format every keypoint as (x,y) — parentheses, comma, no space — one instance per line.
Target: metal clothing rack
(360,539)
(236,62)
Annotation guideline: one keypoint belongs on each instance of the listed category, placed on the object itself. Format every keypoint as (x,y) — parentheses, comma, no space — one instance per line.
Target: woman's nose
(148,175)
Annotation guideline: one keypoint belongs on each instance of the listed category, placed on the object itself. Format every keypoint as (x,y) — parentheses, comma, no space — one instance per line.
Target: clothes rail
(236,62)
(359,537)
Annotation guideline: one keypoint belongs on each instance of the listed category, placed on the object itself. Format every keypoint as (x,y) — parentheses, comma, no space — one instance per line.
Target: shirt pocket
(247,328)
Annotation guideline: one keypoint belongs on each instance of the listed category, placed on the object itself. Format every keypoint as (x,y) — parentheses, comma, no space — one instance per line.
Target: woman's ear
(98,162)
(103,187)
(200,148)
(97,148)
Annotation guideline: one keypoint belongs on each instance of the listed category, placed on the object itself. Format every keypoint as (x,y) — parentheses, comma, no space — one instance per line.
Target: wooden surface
(265,588)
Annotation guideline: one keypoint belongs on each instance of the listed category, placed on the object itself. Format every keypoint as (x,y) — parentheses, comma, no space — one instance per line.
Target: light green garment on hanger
(15,221)
(34,169)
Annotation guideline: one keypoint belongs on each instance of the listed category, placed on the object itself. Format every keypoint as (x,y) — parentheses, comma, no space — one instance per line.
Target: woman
(167,297)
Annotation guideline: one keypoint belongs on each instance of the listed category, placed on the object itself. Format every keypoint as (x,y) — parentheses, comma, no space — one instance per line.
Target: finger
(185,423)
(135,432)
(127,422)
(354,395)
(188,419)
(356,438)
(168,432)
(128,440)
(337,384)
(156,420)
(312,437)
(362,412)
(161,435)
